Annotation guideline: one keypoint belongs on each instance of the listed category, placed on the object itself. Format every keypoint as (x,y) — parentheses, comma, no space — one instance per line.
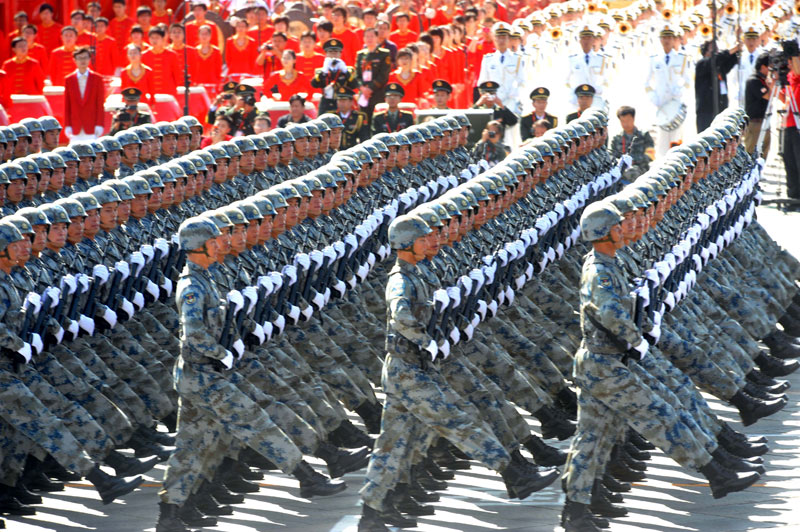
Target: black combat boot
(640,442)
(723,481)
(781,346)
(576,517)
(23,495)
(168,520)
(761,393)
(775,367)
(420,475)
(543,454)
(444,458)
(127,467)
(405,503)
(752,409)
(222,495)
(615,485)
(636,465)
(790,324)
(437,472)
(727,433)
(523,462)
(349,436)
(636,453)
(206,503)
(607,493)
(244,471)
(171,422)
(620,470)
(419,493)
(341,461)
(767,383)
(602,505)
(190,515)
(315,484)
(371,414)
(253,459)
(11,505)
(371,521)
(555,423)
(735,463)
(34,478)
(53,469)
(568,401)
(161,438)
(110,487)
(520,482)
(144,448)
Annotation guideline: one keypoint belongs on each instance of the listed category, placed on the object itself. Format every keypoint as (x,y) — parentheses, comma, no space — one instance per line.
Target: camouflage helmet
(272,139)
(88,200)
(20,131)
(244,144)
(336,173)
(98,147)
(622,201)
(543,148)
(104,194)
(72,206)
(206,156)
(154,131)
(197,161)
(55,213)
(221,219)
(49,123)
(373,151)
(313,130)
(597,220)
(235,215)
(321,126)
(525,162)
(166,128)
(580,129)
(21,223)
(14,171)
(29,166)
(34,215)
(110,143)
(348,163)
(363,155)
(31,124)
(153,179)
(276,197)
(468,195)
(164,173)
(217,152)
(688,152)
(426,131)
(381,146)
(406,229)
(434,129)
(67,154)
(190,121)
(478,190)
(258,141)
(55,160)
(463,121)
(552,143)
(492,182)
(127,137)
(8,234)
(176,170)
(142,132)
(264,205)
(182,129)
(387,139)
(451,206)
(325,178)
(443,124)
(440,211)
(638,198)
(122,189)
(402,139)
(195,232)
(249,209)
(713,139)
(138,185)
(186,165)
(302,188)
(428,215)
(333,121)
(283,135)
(7,135)
(413,136)
(231,148)
(298,131)
(3,177)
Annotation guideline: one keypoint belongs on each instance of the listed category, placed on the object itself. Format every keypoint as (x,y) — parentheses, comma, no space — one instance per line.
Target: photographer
(333,75)
(129,115)
(489,100)
(757,92)
(724,61)
(491,148)
(224,102)
(790,95)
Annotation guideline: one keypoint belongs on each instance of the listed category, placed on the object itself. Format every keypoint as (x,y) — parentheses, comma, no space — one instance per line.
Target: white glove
(371,260)
(468,331)
(352,282)
(68,131)
(87,324)
(316,256)
(441,296)
(655,332)
(100,272)
(455,337)
(509,293)
(228,360)
(127,307)
(482,307)
(454,295)
(152,289)
(73,328)
(258,332)
(123,268)
(551,254)
(266,330)
(32,303)
(302,260)
(444,349)
(493,307)
(251,294)
(326,296)
(290,271)
(276,279)
(280,323)
(236,299)
(560,250)
(148,251)
(138,300)
(70,283)
(318,301)
(162,245)
(167,286)
(362,272)
(137,259)
(238,348)
(36,343)
(642,348)
(340,287)
(294,313)
(59,335)
(433,349)
(25,351)
(98,131)
(110,317)
(528,273)
(352,241)
(669,301)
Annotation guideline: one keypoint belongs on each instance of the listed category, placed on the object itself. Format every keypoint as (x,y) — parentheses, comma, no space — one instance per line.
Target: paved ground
(671,498)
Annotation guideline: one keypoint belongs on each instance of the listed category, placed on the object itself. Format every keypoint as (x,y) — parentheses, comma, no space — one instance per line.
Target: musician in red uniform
(35,50)
(84,95)
(177,45)
(403,36)
(161,15)
(199,10)
(120,26)
(208,70)
(144,19)
(23,74)
(137,75)
(241,50)
(49,34)
(411,80)
(308,60)
(107,57)
(61,62)
(344,34)
(288,81)
(164,63)
(79,22)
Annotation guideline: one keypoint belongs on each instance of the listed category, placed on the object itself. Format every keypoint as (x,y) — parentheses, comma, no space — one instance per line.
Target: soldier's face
(130,154)
(336,138)
(313,146)
(629,227)
(223,244)
(168,194)
(667,43)
(328,199)
(260,160)
(233,166)
(108,216)
(91,224)
(287,152)
(169,144)
(239,238)
(39,239)
(325,142)
(265,229)
(57,236)
(301,147)
(31,186)
(180,191)
(251,235)
(247,162)
(20,251)
(112,161)
(36,141)
(274,156)
(279,222)
(315,204)
(181,143)
(51,139)
(416,152)
(75,230)
(292,212)
(155,201)
(123,211)
(14,190)
(99,164)
(302,209)
(221,173)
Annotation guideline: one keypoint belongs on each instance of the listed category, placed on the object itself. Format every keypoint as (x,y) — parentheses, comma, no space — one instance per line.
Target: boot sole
(313,491)
(523,492)
(123,489)
(749,420)
(742,484)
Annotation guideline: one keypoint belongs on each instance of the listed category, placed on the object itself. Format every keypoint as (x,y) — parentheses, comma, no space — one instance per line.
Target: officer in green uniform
(224,101)
(243,114)
(585,94)
(392,119)
(441,94)
(130,115)
(488,100)
(539,97)
(333,75)
(373,65)
(356,123)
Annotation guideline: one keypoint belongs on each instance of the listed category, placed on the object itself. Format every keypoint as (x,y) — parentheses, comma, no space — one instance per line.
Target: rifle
(226,337)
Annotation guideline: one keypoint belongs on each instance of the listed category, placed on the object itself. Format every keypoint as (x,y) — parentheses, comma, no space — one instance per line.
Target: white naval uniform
(508,70)
(744,69)
(667,81)
(589,69)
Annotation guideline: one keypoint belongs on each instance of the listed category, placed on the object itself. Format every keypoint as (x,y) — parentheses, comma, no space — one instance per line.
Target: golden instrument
(591,8)
(730,9)
(624,28)
(555,33)
(667,14)
(705,30)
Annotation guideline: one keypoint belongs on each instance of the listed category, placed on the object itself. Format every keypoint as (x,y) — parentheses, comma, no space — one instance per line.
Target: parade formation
(219,295)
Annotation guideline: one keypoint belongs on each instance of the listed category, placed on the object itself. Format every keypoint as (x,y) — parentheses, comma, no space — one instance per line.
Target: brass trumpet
(705,30)
(591,8)
(555,33)
(667,14)
(624,28)
(730,9)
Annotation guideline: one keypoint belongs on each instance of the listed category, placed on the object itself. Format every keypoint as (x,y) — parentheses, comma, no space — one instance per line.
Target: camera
(779,60)
(227,96)
(492,134)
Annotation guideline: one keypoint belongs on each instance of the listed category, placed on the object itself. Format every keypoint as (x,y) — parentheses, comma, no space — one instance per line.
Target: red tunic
(414,22)
(413,87)
(5,92)
(144,82)
(49,36)
(307,65)
(191,59)
(24,77)
(107,59)
(161,18)
(61,65)
(120,30)
(241,59)
(87,38)
(208,67)
(301,83)
(403,39)
(38,52)
(442,18)
(191,32)
(266,33)
(166,70)
(350,43)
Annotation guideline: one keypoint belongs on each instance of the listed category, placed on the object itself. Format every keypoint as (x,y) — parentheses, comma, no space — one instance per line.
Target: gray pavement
(671,498)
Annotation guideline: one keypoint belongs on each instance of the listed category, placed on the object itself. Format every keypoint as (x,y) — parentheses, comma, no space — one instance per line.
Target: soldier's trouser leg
(25,413)
(14,450)
(141,334)
(610,395)
(416,395)
(360,350)
(558,354)
(208,399)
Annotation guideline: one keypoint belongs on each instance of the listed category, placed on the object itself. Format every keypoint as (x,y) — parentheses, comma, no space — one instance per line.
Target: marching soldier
(129,116)
(333,75)
(356,124)
(539,97)
(393,118)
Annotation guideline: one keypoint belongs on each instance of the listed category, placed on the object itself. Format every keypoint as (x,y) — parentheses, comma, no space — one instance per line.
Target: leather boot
(437,472)
(768,383)
(442,455)
(543,454)
(723,481)
(11,505)
(405,503)
(752,409)
(315,484)
(636,465)
(391,516)
(349,436)
(144,448)
(615,485)
(734,463)
(775,367)
(636,453)
(161,438)
(128,467)
(423,478)
(23,495)
(790,324)
(206,503)
(229,475)
(780,346)
(171,422)
(761,393)
(341,461)
(246,472)
(53,469)
(641,443)
(729,433)
(568,401)
(520,483)
(419,493)
(521,461)
(168,520)
(371,414)
(455,451)
(607,493)
(34,478)
(371,521)
(601,505)
(253,459)
(222,495)
(190,515)
(576,517)
(620,470)
(555,423)
(110,487)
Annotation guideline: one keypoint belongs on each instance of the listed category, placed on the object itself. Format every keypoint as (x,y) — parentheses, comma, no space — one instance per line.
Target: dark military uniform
(502,114)
(372,70)
(526,124)
(347,80)
(634,145)
(131,96)
(391,121)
